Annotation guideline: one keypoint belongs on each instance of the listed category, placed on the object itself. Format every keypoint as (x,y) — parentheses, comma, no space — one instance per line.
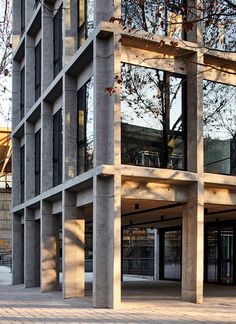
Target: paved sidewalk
(20,305)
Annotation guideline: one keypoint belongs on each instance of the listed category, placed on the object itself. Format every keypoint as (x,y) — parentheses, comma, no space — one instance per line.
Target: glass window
(219,128)
(172,254)
(220,24)
(57,148)
(155,16)
(37,157)
(85,20)
(22,173)
(22,92)
(57,41)
(37,54)
(85,137)
(153,118)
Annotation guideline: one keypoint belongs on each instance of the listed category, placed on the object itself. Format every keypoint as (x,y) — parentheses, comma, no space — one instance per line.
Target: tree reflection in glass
(154,16)
(219,127)
(153,123)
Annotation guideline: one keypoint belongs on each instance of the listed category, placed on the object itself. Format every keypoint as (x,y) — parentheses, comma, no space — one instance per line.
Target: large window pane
(219,127)
(220,24)
(85,133)
(22,174)
(172,254)
(85,19)
(57,148)
(154,16)
(57,42)
(37,157)
(152,112)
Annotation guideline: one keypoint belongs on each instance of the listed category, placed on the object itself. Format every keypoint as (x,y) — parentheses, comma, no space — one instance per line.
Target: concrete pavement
(142,304)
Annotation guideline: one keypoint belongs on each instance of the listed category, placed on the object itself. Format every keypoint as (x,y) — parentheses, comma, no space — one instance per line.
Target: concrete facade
(105,195)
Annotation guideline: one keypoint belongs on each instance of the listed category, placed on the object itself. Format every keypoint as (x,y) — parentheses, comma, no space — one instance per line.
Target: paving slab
(20,305)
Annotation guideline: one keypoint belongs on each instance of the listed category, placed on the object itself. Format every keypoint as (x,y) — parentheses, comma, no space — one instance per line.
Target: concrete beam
(153,191)
(219,196)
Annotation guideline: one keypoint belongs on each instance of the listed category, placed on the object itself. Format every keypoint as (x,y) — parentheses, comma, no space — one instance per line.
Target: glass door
(212,254)
(227,254)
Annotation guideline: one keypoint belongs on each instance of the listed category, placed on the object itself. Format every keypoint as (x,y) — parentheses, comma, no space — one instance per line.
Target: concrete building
(115,129)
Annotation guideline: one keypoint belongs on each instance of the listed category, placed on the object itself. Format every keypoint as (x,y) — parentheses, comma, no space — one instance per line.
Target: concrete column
(16,192)
(192,244)
(156,255)
(29,161)
(107,59)
(47,49)
(196,34)
(73,247)
(49,248)
(46,146)
(195,114)
(29,6)
(15,94)
(31,250)
(103,10)
(17,250)
(69,29)
(70,128)
(29,73)
(16,24)
(107,242)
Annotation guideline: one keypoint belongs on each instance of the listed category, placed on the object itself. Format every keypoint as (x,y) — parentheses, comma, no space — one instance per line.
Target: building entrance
(220,251)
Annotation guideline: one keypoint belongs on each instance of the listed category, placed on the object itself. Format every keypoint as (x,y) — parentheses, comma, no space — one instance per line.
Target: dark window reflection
(85,19)
(154,16)
(85,133)
(220,24)
(153,120)
(219,128)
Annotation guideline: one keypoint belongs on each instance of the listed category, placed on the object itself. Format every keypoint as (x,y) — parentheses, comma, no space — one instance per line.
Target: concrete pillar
(156,255)
(196,33)
(29,6)
(70,128)
(195,115)
(29,161)
(16,24)
(73,247)
(69,29)
(15,94)
(17,250)
(16,190)
(104,10)
(49,248)
(29,73)
(46,147)
(107,65)
(107,242)
(47,50)
(192,244)
(31,250)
